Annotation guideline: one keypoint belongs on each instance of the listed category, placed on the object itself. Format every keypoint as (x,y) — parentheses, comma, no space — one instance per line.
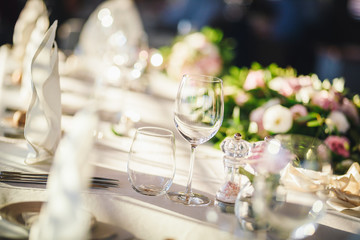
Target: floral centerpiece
(205,52)
(261,101)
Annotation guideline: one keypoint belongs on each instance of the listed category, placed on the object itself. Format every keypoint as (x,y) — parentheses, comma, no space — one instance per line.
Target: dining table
(120,211)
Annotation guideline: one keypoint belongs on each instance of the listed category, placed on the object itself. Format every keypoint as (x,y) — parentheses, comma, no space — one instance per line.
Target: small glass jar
(235,150)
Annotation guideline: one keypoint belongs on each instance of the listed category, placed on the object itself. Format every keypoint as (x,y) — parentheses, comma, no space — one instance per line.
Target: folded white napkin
(63,216)
(28,35)
(344,190)
(303,180)
(33,16)
(43,119)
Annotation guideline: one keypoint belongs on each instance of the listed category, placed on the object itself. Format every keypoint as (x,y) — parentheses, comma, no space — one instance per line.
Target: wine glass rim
(155,131)
(204,78)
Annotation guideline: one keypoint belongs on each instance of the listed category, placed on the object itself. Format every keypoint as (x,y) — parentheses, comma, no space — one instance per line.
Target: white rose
(195,40)
(271,102)
(305,94)
(338,120)
(277,83)
(277,119)
(180,54)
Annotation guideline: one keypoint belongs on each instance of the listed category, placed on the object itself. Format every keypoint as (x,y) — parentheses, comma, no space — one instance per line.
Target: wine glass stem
(188,190)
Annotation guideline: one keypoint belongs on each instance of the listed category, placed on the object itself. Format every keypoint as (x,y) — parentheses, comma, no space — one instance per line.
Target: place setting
(16,220)
(298,165)
(110,129)
(41,179)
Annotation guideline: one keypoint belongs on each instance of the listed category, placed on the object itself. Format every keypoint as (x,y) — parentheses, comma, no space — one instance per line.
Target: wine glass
(130,59)
(198,115)
(151,162)
(290,189)
(122,64)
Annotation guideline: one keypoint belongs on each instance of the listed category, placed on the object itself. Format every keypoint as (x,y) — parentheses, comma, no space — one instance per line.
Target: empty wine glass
(130,60)
(290,189)
(151,162)
(199,110)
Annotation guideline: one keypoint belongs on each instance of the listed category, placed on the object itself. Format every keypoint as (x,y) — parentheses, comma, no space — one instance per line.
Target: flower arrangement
(205,52)
(262,101)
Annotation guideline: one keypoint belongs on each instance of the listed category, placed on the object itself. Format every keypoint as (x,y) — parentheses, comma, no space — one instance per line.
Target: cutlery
(40,178)
(14,173)
(92,185)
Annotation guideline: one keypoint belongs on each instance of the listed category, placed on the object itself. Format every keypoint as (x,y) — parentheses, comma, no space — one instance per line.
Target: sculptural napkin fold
(29,31)
(304,180)
(43,119)
(63,216)
(34,13)
(344,189)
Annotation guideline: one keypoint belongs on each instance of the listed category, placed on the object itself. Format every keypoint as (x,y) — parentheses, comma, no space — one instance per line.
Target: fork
(41,178)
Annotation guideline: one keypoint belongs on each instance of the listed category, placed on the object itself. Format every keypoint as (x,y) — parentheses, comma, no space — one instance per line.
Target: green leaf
(308,117)
(256,66)
(214,35)
(314,123)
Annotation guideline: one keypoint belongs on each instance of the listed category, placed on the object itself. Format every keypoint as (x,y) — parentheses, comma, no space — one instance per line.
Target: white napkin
(43,119)
(28,35)
(34,15)
(303,180)
(63,217)
(345,189)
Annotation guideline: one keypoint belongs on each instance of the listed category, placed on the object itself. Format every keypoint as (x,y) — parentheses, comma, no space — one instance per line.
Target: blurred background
(313,36)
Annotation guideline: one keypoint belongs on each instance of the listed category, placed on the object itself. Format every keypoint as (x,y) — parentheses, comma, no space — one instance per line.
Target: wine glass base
(149,190)
(189,199)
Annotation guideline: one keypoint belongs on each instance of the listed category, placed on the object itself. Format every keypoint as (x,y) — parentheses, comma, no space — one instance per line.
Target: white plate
(26,213)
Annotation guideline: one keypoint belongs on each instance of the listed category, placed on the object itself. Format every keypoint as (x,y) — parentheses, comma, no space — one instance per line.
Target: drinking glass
(122,66)
(291,187)
(151,162)
(198,115)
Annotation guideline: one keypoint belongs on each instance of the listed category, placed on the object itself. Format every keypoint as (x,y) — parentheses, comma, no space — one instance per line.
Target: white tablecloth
(145,217)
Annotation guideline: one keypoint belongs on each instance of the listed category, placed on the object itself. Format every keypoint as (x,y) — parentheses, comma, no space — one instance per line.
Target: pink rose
(339,145)
(286,90)
(338,120)
(298,110)
(254,79)
(294,84)
(241,98)
(257,116)
(350,110)
(327,100)
(281,85)
(209,65)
